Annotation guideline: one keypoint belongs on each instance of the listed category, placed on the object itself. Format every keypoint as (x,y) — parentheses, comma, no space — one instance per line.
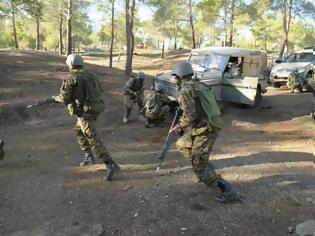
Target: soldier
(133,94)
(82,94)
(157,107)
(199,133)
(294,81)
(1,149)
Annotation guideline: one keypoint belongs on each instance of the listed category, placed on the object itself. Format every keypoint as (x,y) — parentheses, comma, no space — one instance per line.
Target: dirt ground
(267,153)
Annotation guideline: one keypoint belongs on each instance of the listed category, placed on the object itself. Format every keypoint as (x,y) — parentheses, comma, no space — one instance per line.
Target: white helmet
(74,60)
(182,68)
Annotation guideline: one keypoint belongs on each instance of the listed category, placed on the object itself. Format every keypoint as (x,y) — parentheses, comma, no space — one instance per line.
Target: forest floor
(266,153)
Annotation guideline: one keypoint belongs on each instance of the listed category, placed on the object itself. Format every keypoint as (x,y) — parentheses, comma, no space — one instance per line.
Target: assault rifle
(43,102)
(169,139)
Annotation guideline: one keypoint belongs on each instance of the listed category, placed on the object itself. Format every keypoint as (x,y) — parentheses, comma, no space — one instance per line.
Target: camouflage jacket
(193,117)
(132,86)
(294,80)
(155,102)
(81,92)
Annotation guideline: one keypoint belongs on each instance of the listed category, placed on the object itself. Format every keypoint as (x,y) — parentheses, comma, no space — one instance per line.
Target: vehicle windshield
(208,60)
(300,57)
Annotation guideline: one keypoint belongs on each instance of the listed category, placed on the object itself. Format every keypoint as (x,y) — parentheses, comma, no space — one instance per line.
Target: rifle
(169,139)
(43,102)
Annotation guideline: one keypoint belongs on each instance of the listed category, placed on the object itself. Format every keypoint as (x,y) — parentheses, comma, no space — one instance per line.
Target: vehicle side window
(291,58)
(235,66)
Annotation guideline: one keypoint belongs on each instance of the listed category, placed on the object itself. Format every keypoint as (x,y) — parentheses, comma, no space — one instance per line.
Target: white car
(234,74)
(302,61)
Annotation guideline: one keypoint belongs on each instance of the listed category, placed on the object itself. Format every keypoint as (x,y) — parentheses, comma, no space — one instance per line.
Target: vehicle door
(240,79)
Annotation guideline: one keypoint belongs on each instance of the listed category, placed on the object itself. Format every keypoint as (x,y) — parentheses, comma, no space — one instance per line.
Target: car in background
(234,74)
(303,61)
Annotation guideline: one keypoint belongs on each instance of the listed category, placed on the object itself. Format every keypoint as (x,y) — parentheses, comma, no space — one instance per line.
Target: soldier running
(133,93)
(199,132)
(82,94)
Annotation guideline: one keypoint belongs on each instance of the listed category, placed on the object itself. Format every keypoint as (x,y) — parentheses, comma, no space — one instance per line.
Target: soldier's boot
(88,158)
(125,120)
(112,169)
(147,123)
(1,149)
(228,192)
(127,114)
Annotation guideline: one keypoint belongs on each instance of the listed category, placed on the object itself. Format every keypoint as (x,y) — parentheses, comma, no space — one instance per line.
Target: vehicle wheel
(276,85)
(309,78)
(258,96)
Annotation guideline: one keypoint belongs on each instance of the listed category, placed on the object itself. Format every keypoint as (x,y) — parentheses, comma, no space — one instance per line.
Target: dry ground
(267,154)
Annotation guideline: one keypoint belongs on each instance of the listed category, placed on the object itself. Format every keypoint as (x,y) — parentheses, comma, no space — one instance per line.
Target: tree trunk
(112,36)
(129,35)
(176,34)
(128,43)
(225,27)
(37,34)
(69,28)
(192,25)
(286,22)
(60,34)
(232,23)
(163,48)
(16,45)
(131,32)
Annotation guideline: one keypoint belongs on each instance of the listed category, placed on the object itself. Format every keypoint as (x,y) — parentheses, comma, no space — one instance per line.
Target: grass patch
(14,90)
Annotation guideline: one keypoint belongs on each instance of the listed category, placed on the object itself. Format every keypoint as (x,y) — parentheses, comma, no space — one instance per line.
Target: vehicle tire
(276,85)
(258,96)
(308,80)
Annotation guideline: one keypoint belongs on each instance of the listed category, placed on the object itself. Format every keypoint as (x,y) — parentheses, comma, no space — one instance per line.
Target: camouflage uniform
(294,82)
(133,93)
(199,134)
(157,107)
(200,122)
(86,107)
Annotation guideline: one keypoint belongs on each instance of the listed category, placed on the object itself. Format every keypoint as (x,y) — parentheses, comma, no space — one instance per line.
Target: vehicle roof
(231,51)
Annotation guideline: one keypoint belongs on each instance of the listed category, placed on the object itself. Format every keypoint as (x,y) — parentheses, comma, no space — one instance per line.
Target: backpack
(93,94)
(209,104)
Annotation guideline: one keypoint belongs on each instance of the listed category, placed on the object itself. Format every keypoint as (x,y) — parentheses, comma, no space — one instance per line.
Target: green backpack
(209,104)
(93,94)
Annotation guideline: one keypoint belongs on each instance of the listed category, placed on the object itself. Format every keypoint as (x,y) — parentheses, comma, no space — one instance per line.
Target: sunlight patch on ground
(249,173)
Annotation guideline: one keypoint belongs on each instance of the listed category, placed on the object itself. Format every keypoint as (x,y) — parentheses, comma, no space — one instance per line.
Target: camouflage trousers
(197,149)
(128,102)
(88,138)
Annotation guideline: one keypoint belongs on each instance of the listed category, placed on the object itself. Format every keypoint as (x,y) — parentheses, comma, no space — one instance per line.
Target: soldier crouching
(133,93)
(157,107)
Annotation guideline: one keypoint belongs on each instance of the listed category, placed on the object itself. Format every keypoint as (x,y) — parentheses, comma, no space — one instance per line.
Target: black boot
(1,149)
(112,168)
(88,158)
(228,194)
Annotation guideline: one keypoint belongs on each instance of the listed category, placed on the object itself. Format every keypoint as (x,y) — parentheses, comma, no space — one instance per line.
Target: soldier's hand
(57,99)
(177,129)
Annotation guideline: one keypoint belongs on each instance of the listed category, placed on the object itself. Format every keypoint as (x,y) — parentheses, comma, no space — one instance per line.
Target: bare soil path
(268,154)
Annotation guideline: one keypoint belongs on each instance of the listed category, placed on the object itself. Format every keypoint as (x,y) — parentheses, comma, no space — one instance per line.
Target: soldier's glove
(177,129)
(57,99)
